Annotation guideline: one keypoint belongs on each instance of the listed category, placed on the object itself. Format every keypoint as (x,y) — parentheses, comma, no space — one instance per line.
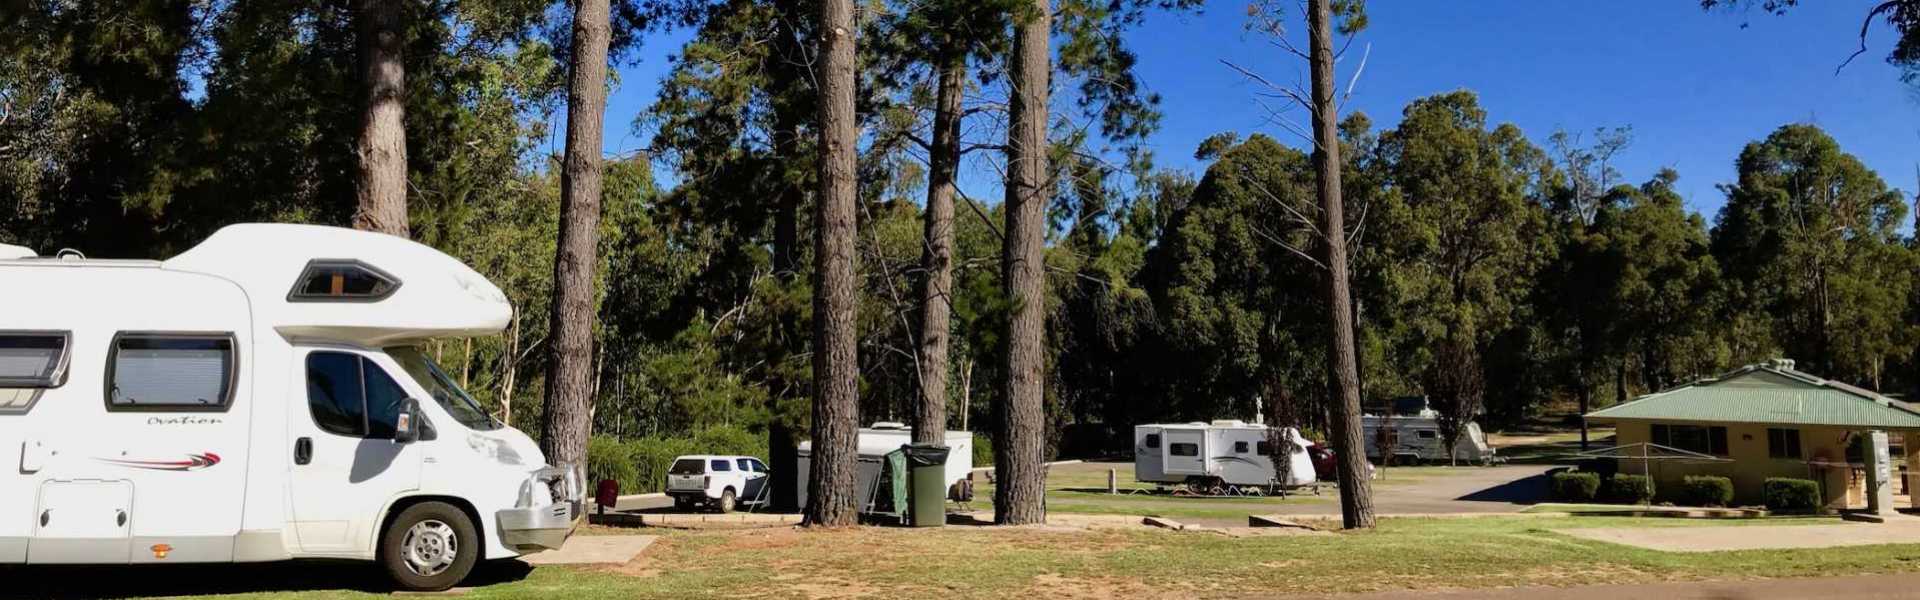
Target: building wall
(1750,464)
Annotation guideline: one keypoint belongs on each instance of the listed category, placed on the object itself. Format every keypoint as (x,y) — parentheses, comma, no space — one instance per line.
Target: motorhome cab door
(346,466)
(1185,451)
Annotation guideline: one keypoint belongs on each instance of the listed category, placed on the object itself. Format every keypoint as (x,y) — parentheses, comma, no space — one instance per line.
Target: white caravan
(1416,437)
(259,398)
(887,436)
(1212,456)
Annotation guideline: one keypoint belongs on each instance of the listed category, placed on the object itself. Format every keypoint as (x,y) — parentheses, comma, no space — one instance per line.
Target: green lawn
(983,562)
(1081,488)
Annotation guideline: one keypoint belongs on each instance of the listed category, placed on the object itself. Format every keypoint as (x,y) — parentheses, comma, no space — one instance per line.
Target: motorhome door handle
(46,515)
(120,518)
(302,451)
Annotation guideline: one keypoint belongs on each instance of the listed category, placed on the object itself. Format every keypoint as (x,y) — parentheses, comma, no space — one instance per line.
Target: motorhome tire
(727,501)
(430,547)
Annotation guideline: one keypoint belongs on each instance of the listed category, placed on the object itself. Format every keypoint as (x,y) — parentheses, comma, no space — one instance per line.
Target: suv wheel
(430,547)
(727,501)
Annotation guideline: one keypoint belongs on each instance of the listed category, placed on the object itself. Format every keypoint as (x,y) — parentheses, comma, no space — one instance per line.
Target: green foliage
(1575,486)
(640,465)
(1704,490)
(1626,489)
(1790,495)
(982,451)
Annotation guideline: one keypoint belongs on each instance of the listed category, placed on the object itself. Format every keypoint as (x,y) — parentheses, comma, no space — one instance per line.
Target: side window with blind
(351,396)
(30,362)
(176,372)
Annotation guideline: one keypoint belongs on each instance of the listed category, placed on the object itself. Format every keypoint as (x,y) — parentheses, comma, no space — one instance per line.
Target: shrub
(982,450)
(1575,486)
(1705,490)
(1627,489)
(609,458)
(1791,495)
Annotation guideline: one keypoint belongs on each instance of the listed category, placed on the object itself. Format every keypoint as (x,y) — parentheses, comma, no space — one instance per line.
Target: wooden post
(1113,481)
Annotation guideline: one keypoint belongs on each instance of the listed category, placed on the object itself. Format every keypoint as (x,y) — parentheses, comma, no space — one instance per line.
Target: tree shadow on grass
(1527,490)
(146,581)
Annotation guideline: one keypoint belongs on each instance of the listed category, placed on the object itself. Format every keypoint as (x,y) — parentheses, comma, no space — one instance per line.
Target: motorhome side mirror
(406,425)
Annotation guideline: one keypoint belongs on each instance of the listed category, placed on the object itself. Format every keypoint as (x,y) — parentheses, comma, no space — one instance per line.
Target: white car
(723,482)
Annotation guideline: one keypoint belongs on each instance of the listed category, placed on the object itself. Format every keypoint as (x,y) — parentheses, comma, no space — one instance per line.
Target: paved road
(1861,587)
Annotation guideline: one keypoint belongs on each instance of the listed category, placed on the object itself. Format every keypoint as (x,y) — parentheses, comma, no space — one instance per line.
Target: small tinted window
(32,360)
(1184,449)
(721,465)
(342,280)
(759,467)
(1428,434)
(1240,447)
(1153,440)
(1263,448)
(687,466)
(745,464)
(170,372)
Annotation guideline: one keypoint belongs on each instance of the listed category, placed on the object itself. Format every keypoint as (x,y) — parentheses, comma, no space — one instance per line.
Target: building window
(1783,443)
(342,281)
(170,372)
(1153,441)
(1699,439)
(1183,449)
(1239,447)
(351,396)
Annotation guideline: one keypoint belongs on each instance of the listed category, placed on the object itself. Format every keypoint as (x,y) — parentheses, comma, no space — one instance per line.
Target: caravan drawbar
(260,397)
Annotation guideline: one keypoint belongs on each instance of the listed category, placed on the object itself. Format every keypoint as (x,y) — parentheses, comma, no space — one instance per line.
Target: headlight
(532,489)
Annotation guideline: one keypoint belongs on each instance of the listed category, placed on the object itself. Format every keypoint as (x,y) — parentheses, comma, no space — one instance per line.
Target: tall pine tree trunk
(936,287)
(1356,494)
(1020,477)
(566,423)
(382,148)
(831,500)
(782,454)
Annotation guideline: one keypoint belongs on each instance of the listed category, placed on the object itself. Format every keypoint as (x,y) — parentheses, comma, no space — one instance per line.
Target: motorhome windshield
(429,375)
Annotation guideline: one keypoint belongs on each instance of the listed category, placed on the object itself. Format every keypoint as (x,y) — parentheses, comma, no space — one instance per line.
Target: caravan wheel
(430,547)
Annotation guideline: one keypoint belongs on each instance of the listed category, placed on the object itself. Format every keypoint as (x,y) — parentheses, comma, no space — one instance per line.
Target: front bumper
(530,529)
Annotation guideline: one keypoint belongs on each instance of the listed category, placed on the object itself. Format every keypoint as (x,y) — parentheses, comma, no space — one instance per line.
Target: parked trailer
(1217,457)
(261,397)
(1416,438)
(884,437)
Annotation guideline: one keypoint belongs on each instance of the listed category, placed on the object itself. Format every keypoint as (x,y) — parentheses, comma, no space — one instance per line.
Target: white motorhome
(258,398)
(1414,436)
(1213,456)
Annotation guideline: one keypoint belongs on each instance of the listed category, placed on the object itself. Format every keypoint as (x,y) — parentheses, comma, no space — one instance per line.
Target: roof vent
(889,425)
(1784,364)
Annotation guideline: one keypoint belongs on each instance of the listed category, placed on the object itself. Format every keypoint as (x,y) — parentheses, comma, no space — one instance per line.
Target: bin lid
(925,455)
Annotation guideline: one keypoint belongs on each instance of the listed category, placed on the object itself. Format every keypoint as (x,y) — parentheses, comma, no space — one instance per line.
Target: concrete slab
(694,520)
(593,550)
(1757,537)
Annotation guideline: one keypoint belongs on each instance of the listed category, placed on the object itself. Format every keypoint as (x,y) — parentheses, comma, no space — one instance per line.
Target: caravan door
(1184,451)
(346,467)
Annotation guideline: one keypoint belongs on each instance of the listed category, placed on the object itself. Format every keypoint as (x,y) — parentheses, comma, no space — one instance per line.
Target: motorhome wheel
(430,547)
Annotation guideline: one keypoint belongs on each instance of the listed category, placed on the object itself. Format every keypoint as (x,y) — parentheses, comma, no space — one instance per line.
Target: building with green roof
(1761,421)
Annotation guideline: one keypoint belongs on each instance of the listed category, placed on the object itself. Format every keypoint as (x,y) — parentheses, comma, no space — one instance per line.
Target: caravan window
(1263,448)
(33,359)
(1427,434)
(351,396)
(1153,441)
(1240,447)
(1184,449)
(170,372)
(327,280)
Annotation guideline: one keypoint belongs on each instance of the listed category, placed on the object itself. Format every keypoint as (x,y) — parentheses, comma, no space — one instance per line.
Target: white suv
(723,482)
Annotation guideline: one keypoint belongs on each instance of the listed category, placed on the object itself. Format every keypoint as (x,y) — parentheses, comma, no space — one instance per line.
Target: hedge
(1705,490)
(1791,495)
(1575,486)
(1627,489)
(982,450)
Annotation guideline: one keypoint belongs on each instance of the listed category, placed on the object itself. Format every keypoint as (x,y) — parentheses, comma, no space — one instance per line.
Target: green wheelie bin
(927,471)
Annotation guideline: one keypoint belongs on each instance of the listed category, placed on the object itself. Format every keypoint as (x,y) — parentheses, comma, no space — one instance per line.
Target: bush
(609,458)
(1705,490)
(1791,495)
(982,450)
(1627,489)
(1575,486)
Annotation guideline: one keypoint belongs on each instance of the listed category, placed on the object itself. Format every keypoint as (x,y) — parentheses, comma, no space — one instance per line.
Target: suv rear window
(688,466)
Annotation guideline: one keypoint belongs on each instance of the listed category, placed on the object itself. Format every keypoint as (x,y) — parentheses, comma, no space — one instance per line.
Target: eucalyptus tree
(381,193)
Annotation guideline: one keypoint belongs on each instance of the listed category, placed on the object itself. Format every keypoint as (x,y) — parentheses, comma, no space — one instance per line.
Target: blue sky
(1695,86)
